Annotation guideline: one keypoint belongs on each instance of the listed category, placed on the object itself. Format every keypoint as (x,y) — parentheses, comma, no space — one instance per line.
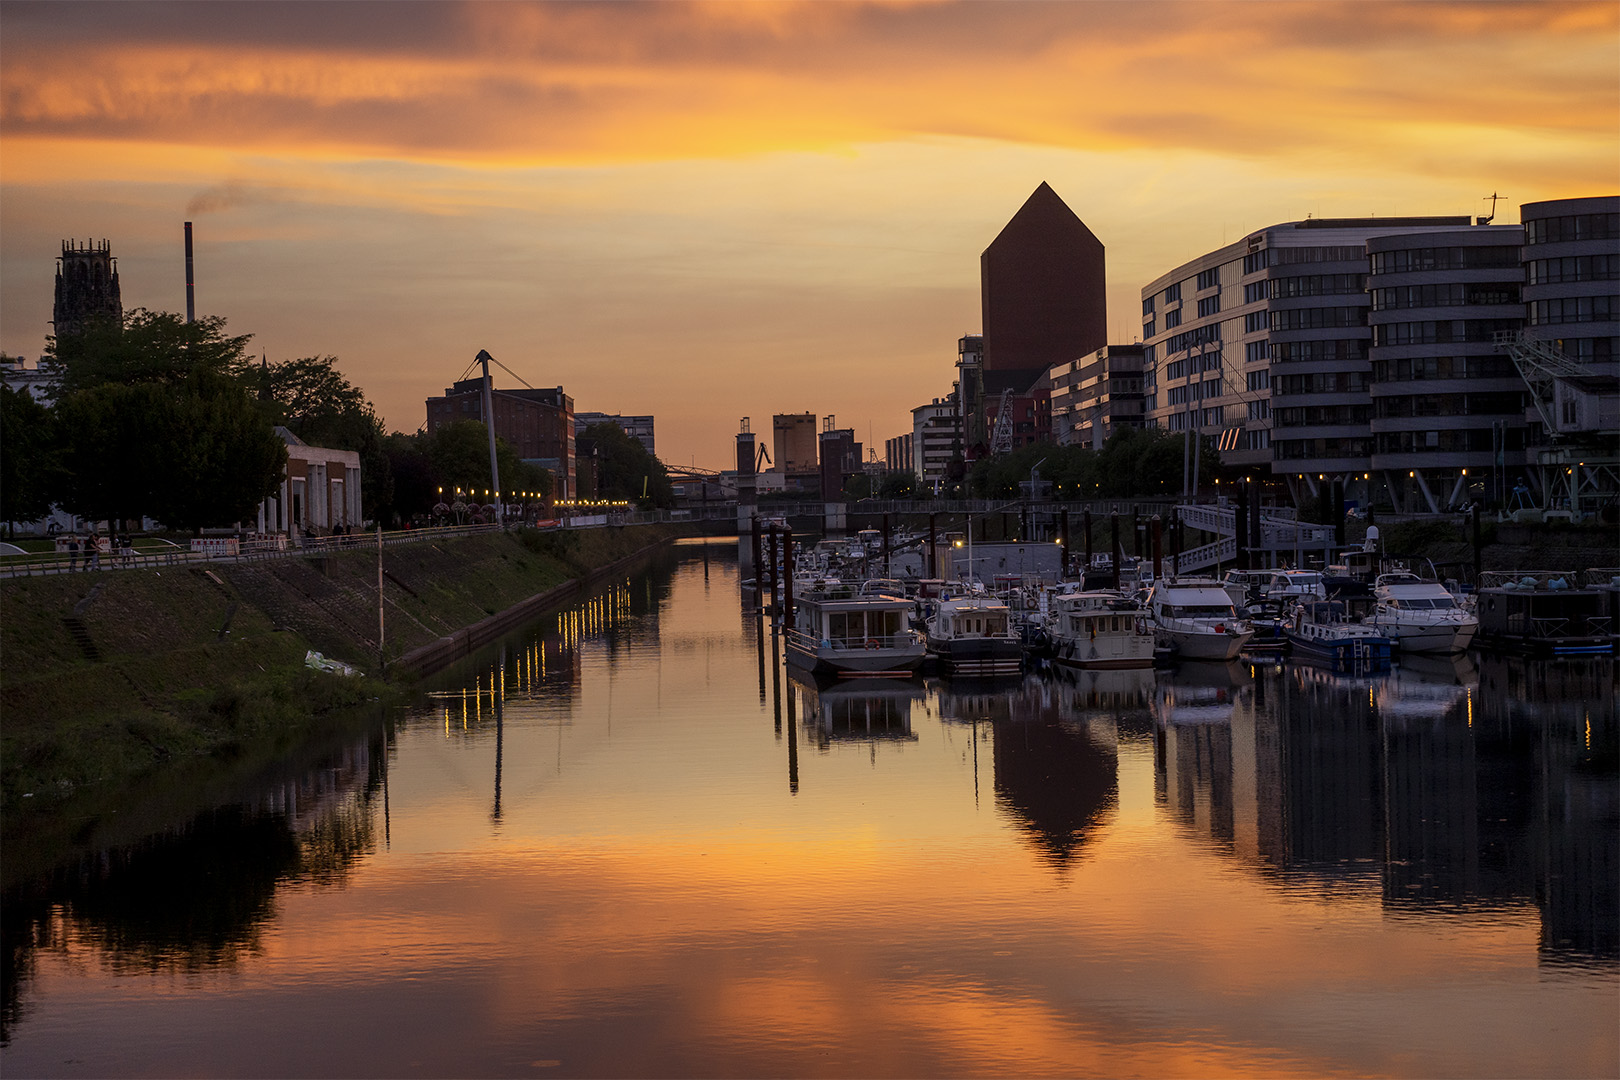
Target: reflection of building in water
(856,710)
(1053,773)
(1439,793)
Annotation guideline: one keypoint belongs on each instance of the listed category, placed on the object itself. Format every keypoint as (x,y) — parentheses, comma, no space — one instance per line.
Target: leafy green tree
(111,440)
(625,470)
(220,458)
(459,455)
(150,346)
(30,457)
(898,485)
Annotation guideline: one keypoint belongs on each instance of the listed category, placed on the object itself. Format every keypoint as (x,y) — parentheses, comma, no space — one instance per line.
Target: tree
(111,435)
(150,346)
(220,458)
(625,470)
(30,457)
(459,454)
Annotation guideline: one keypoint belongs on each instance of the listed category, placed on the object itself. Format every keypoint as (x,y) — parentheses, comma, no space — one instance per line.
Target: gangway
(1280,532)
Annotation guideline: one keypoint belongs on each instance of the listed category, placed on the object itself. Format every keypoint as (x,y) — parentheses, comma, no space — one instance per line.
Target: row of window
(1411,368)
(1316,285)
(1440,331)
(1290,256)
(1321,382)
(1446,258)
(1259,410)
(1501,403)
(1178,369)
(1587,350)
(1451,294)
(1555,230)
(1339,349)
(1258,380)
(1199,391)
(1318,318)
(1255,351)
(1573,268)
(1172,319)
(1321,415)
(1297,449)
(1209,279)
(1452,440)
(1191,339)
(1203,418)
(1209,305)
(1570,309)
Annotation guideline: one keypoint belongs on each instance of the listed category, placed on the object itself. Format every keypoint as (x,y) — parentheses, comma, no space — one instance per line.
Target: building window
(1574,268)
(1254,292)
(1173,293)
(1317,318)
(1255,351)
(1556,230)
(1209,279)
(1255,262)
(1258,380)
(1147,306)
(1572,309)
(1254,322)
(1148,329)
(1446,258)
(1209,305)
(1172,319)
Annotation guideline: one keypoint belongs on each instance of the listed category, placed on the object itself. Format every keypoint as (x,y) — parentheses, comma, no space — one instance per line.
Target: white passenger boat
(1421,616)
(974,635)
(839,629)
(1099,630)
(1195,619)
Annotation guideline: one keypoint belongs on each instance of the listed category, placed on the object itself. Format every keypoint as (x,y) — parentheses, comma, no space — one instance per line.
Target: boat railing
(902,639)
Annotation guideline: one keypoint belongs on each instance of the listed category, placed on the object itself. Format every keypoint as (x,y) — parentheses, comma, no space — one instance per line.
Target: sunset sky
(710,211)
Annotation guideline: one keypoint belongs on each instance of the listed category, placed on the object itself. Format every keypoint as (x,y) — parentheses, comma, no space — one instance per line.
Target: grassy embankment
(107,676)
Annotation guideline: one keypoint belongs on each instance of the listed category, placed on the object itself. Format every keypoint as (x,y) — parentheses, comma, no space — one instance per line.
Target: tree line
(157,417)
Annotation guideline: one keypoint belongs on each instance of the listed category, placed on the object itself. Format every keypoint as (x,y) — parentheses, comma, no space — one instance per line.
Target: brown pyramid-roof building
(1042,284)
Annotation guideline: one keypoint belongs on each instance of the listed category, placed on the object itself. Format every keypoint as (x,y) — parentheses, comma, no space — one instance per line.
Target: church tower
(86,287)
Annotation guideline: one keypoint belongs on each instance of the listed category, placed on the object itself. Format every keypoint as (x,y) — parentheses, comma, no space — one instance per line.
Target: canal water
(628,842)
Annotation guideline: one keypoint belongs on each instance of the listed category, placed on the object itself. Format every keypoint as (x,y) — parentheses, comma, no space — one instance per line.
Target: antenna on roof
(1493,196)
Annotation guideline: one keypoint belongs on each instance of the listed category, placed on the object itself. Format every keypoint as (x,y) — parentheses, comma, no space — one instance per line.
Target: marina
(632,839)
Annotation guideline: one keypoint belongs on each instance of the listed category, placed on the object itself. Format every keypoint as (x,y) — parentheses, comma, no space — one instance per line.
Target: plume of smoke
(221,197)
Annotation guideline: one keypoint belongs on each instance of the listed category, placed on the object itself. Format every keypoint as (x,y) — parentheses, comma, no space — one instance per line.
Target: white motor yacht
(1421,616)
(837,629)
(1195,619)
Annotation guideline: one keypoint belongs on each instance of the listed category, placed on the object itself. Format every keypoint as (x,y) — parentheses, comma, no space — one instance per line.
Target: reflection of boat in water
(1425,687)
(1199,693)
(840,710)
(1107,692)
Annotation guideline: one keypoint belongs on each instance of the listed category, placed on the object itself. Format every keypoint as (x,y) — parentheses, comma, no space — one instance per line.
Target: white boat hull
(1206,645)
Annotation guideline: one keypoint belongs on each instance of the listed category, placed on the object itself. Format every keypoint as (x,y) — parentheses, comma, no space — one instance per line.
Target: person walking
(73,552)
(92,552)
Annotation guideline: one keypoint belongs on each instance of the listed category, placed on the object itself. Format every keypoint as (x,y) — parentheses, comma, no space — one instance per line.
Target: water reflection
(1440,787)
(580,849)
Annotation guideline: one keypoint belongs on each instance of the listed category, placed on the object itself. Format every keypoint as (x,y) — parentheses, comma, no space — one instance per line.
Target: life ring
(872,643)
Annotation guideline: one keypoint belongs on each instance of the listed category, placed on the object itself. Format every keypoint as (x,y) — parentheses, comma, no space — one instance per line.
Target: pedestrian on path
(92,552)
(73,552)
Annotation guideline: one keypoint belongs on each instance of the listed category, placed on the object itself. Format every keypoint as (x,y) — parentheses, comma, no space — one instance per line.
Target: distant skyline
(715,210)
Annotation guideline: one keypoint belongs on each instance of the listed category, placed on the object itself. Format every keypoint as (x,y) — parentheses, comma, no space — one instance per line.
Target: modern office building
(936,440)
(1096,395)
(794,447)
(1447,420)
(1572,312)
(1287,302)
(538,423)
(86,287)
(639,428)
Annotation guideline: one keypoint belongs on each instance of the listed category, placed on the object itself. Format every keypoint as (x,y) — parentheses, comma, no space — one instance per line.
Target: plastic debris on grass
(320,663)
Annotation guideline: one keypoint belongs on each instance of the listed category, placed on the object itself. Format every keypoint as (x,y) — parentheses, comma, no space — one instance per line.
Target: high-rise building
(793,443)
(1042,290)
(538,423)
(840,459)
(936,440)
(86,287)
(897,455)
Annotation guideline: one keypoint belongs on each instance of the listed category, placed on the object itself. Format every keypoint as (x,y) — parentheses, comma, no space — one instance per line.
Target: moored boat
(1100,630)
(1194,618)
(838,629)
(1320,631)
(974,635)
(1543,612)
(1421,616)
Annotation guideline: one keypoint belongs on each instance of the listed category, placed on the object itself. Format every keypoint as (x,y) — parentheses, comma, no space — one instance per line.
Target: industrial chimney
(191,295)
